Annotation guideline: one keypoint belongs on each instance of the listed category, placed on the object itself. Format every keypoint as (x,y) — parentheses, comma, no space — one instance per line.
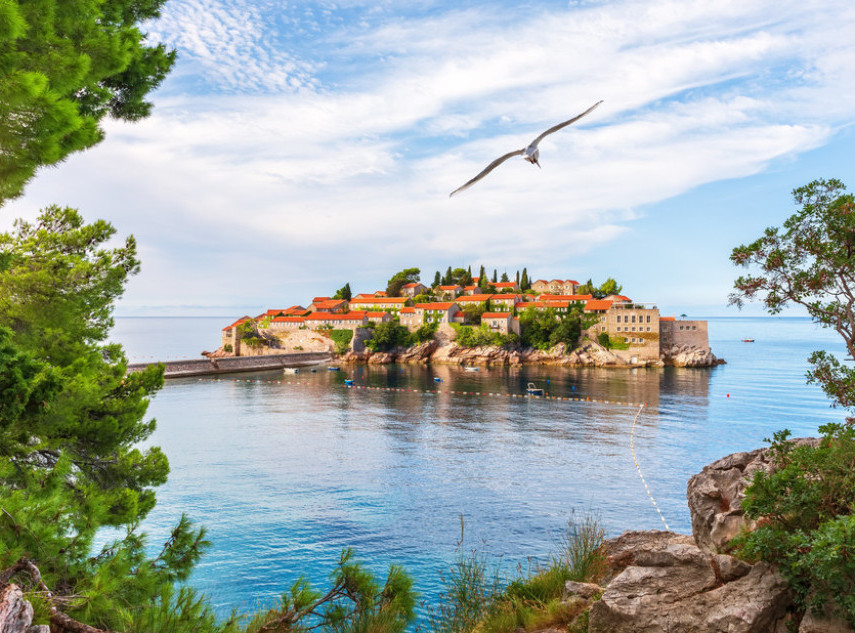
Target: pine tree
(495,277)
(518,280)
(437,280)
(505,278)
(449,277)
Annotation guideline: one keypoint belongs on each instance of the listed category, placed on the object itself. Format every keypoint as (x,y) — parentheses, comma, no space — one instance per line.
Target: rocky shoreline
(662,581)
(590,354)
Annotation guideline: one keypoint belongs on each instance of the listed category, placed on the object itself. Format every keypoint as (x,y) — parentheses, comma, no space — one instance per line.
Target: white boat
(290,370)
(471,369)
(533,390)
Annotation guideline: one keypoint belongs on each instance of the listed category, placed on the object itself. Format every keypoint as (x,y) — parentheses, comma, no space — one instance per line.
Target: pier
(234,364)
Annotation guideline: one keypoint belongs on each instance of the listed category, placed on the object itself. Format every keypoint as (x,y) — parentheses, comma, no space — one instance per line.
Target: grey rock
(585,590)
(16,614)
(823,622)
(715,496)
(671,585)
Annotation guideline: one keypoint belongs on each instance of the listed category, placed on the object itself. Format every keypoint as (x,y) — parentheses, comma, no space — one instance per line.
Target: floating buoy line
(640,405)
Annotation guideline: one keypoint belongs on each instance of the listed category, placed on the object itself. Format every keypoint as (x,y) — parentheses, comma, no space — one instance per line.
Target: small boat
(748,340)
(471,369)
(533,390)
(290,370)
(334,368)
(348,382)
(437,379)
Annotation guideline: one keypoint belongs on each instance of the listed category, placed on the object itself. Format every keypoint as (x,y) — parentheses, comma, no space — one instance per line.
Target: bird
(530,152)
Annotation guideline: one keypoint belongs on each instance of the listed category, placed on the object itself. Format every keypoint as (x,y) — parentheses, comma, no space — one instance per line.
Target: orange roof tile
(472,298)
(504,284)
(667,318)
(373,300)
(236,323)
(495,315)
(328,304)
(408,310)
(455,287)
(413,284)
(316,299)
(598,304)
(329,316)
(435,305)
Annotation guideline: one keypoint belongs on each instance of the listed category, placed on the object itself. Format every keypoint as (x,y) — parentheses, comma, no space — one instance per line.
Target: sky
(297,146)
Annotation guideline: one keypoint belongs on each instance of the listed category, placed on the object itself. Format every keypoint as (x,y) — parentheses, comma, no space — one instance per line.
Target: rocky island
(557,322)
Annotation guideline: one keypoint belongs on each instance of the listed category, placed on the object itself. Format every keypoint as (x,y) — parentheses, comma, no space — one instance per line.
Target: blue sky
(298,146)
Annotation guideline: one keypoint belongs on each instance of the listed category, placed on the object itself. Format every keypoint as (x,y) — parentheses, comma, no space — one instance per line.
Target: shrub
(807,526)
(389,335)
(228,347)
(604,340)
(425,333)
(342,339)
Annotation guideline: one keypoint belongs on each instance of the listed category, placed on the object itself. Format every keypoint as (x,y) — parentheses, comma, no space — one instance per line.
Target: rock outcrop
(667,583)
(689,356)
(715,496)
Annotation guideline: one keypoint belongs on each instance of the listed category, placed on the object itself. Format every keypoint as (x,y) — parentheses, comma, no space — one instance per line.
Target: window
(694,327)
(618,328)
(633,328)
(648,320)
(648,328)
(633,319)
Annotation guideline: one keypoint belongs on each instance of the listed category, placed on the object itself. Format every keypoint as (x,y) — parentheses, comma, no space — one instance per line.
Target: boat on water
(533,390)
(348,382)
(748,340)
(471,369)
(290,370)
(437,379)
(334,368)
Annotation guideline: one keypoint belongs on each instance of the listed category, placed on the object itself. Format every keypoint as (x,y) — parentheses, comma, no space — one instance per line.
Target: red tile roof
(597,304)
(288,319)
(504,284)
(495,315)
(667,318)
(329,304)
(316,299)
(373,300)
(621,298)
(237,323)
(435,305)
(329,316)
(473,298)
(380,293)
(408,310)
(413,284)
(455,287)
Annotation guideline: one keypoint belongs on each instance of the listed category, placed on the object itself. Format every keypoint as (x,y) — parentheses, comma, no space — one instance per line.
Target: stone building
(374,304)
(681,332)
(556,286)
(437,312)
(501,322)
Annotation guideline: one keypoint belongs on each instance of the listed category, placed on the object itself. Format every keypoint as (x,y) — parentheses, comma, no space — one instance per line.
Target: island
(483,322)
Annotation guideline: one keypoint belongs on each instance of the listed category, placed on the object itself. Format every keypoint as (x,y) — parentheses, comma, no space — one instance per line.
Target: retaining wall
(233,364)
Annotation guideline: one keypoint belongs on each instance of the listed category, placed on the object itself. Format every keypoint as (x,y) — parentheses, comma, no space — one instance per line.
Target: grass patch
(473,598)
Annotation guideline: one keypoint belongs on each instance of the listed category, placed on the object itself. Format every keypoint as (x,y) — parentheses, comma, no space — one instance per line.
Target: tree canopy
(810,262)
(65,65)
(399,279)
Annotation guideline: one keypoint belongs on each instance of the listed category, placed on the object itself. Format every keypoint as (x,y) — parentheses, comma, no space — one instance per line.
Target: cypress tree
(524,282)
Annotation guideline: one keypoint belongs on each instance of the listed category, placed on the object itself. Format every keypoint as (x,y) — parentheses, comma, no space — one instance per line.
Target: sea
(414,466)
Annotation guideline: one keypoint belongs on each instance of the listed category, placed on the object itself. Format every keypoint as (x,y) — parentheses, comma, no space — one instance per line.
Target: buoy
(728,395)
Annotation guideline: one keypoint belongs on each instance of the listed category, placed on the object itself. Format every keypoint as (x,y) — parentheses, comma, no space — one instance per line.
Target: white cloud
(292,178)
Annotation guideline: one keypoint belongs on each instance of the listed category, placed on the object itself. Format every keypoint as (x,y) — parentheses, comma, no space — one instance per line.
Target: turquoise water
(285,471)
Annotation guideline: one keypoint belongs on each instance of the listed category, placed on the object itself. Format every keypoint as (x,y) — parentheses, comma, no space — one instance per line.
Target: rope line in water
(435,391)
(638,468)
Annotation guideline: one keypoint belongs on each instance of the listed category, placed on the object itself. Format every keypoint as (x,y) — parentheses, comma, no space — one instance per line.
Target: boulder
(666,583)
(715,496)
(584,590)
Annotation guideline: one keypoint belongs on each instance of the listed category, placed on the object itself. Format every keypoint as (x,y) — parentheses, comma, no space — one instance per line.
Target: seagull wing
(487,170)
(555,128)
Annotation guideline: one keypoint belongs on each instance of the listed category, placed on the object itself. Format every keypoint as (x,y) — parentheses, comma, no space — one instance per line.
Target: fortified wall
(682,333)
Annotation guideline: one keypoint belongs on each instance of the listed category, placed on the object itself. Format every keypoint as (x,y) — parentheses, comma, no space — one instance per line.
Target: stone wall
(228,365)
(360,335)
(683,333)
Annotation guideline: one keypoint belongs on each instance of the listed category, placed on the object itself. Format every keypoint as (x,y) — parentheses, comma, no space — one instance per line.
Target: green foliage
(228,348)
(608,287)
(504,277)
(437,280)
(604,340)
(806,510)
(342,339)
(473,598)
(468,336)
(343,293)
(810,261)
(355,603)
(472,312)
(425,332)
(66,64)
(398,280)
(545,329)
(525,283)
(388,336)
(422,298)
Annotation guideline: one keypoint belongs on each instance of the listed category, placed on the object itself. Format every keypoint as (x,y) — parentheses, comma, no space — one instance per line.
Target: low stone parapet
(234,364)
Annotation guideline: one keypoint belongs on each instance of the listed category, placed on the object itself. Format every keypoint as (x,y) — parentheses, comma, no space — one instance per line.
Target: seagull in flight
(530,152)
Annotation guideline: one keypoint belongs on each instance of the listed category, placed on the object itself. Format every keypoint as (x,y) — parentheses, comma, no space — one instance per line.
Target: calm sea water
(285,471)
